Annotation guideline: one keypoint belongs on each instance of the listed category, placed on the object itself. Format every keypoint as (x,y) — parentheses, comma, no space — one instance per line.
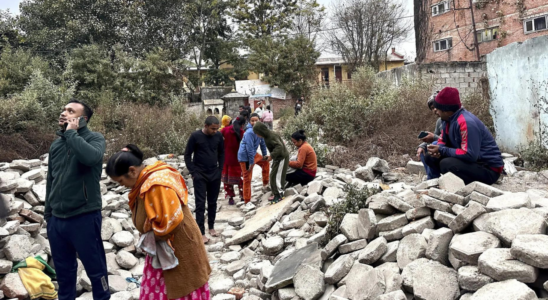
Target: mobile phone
(423,134)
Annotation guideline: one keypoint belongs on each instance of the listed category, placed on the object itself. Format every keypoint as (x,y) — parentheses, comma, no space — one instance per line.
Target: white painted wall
(518,83)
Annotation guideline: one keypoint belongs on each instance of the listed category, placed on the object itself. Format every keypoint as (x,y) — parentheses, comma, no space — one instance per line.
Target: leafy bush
(535,156)
(354,201)
(16,69)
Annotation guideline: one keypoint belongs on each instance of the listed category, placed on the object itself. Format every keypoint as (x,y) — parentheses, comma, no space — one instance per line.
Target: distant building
(332,69)
(445,30)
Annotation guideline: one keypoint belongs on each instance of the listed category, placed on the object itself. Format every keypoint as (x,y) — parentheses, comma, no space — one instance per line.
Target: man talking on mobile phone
(73,202)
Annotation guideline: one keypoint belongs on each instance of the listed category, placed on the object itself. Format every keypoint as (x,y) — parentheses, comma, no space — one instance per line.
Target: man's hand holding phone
(73,124)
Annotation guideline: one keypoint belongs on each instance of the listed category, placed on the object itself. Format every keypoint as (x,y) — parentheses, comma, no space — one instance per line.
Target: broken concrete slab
(505,290)
(507,224)
(471,279)
(509,201)
(444,218)
(417,213)
(531,249)
(379,204)
(451,182)
(352,228)
(285,269)
(339,269)
(352,246)
(373,251)
(446,285)
(366,285)
(418,226)
(368,222)
(309,282)
(436,204)
(438,245)
(500,265)
(262,221)
(469,246)
(412,247)
(392,222)
(473,211)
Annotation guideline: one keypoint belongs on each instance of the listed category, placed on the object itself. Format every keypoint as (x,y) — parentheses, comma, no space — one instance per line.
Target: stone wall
(196,108)
(214,92)
(466,76)
(519,93)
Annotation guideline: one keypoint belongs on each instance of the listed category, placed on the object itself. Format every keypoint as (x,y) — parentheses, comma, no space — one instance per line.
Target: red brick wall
(502,13)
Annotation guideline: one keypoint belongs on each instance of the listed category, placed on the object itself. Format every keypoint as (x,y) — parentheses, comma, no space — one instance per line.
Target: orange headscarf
(157,185)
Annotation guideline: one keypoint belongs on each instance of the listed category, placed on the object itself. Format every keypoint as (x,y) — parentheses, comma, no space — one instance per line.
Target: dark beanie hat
(448,100)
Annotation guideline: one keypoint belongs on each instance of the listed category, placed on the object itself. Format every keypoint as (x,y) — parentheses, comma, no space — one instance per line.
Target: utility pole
(474,28)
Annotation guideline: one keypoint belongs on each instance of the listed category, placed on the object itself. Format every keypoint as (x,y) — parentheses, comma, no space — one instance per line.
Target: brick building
(448,28)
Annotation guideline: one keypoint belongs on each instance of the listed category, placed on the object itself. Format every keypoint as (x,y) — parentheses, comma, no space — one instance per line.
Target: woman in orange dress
(159,204)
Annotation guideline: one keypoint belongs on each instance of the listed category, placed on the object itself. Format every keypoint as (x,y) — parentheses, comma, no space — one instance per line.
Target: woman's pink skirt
(153,286)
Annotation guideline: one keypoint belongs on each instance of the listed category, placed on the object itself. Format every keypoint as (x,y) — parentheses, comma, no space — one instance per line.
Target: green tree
(16,68)
(54,27)
(210,31)
(288,63)
(261,18)
(162,24)
(9,34)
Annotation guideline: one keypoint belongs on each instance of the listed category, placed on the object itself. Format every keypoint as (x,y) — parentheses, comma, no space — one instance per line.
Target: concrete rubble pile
(435,240)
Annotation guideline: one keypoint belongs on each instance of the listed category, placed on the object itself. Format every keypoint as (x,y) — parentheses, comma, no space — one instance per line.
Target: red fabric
(449,96)
(464,136)
(498,170)
(231,174)
(231,145)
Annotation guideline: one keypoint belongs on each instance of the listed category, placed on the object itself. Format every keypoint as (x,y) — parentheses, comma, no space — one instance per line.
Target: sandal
(231,201)
(276,200)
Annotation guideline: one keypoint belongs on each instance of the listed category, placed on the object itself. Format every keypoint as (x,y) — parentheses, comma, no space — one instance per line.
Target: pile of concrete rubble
(435,240)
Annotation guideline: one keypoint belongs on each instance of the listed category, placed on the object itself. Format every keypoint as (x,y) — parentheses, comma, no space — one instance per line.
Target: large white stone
(505,290)
(509,201)
(365,285)
(123,239)
(507,224)
(339,269)
(469,246)
(451,182)
(13,287)
(412,247)
(531,249)
(126,260)
(352,228)
(374,251)
(500,265)
(470,278)
(18,248)
(309,282)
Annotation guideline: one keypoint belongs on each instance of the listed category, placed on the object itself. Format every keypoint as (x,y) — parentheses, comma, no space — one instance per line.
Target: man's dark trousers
(467,171)
(79,235)
(206,188)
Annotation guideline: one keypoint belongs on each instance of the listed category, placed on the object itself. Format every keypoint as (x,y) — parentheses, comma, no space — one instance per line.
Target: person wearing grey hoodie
(279,157)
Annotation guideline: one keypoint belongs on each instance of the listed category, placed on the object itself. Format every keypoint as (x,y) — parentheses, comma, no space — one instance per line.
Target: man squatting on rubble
(465,148)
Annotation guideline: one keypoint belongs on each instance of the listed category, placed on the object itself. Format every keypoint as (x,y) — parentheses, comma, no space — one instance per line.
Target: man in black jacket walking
(204,158)
(73,202)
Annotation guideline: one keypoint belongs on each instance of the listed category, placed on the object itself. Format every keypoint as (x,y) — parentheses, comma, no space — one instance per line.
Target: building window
(443,45)
(535,24)
(440,8)
(487,34)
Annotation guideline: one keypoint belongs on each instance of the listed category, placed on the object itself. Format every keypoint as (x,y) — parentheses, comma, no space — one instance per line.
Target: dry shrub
(156,130)
(25,145)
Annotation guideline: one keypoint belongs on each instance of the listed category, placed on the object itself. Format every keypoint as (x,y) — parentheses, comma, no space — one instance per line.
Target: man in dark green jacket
(73,202)
(280,157)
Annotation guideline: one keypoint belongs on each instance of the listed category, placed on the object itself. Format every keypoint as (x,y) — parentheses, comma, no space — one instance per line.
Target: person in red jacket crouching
(465,148)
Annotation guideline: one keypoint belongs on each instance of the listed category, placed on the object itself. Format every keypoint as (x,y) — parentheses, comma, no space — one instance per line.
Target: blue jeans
(431,173)
(79,235)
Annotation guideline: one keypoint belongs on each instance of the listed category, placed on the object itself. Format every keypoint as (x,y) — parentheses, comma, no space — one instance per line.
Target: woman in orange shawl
(158,202)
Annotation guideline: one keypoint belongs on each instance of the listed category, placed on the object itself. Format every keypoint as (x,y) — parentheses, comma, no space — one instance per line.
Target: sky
(407,47)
